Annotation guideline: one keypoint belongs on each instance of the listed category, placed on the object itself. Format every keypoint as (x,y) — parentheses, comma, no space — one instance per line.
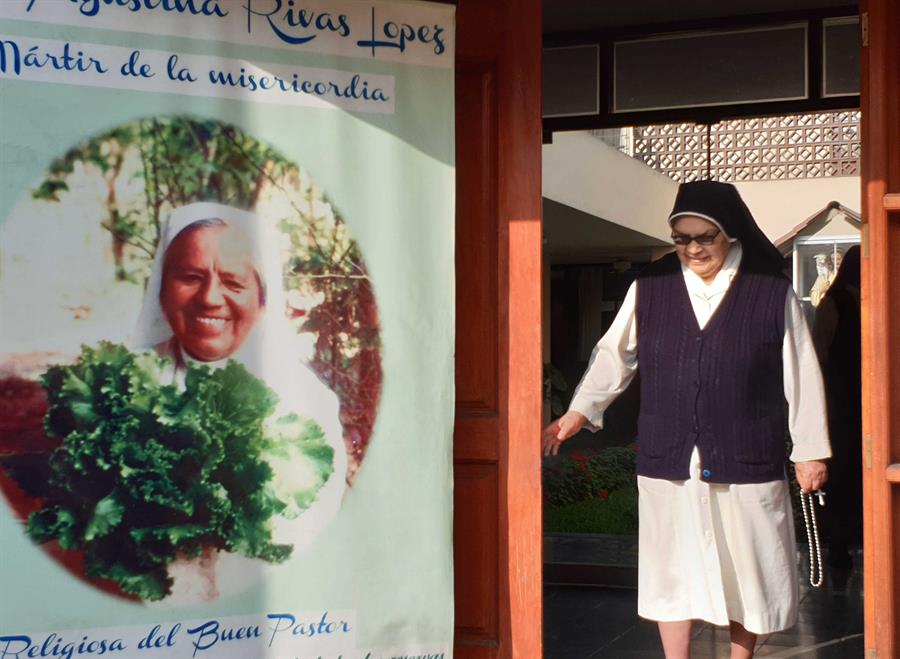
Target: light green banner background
(388,553)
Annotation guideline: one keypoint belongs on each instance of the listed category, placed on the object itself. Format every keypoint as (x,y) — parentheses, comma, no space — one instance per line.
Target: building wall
(778,206)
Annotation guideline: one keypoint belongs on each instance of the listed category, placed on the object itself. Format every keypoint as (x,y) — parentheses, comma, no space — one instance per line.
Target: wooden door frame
(880,105)
(495,449)
(497,467)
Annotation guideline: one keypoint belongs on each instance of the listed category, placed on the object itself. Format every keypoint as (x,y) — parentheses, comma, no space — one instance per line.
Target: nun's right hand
(560,430)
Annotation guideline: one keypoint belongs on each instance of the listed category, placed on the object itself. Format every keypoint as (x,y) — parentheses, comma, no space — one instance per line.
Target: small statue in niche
(825,271)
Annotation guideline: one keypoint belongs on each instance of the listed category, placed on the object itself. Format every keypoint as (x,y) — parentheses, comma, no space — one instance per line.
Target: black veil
(721,203)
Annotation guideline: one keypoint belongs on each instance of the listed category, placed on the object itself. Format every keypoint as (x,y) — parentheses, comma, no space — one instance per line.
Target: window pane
(699,69)
(571,81)
(840,44)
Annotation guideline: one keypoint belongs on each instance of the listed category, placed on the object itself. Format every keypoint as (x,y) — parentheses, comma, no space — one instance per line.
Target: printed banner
(226,329)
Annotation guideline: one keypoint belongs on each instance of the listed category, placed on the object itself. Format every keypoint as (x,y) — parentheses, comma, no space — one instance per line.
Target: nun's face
(705,260)
(210,291)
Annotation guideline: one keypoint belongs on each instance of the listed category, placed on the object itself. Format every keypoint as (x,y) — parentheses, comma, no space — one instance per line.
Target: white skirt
(715,552)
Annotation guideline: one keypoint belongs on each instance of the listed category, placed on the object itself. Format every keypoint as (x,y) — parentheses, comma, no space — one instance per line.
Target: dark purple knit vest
(721,388)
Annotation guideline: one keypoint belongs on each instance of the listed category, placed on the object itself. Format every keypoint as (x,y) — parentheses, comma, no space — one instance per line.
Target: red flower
(603,494)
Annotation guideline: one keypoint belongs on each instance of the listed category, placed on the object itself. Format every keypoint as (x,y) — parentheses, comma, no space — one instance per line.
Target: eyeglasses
(704,239)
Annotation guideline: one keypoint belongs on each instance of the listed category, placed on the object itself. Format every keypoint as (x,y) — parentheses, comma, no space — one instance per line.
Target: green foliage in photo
(148,472)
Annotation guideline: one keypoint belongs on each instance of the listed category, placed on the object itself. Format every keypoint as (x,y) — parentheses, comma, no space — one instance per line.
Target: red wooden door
(881,323)
(497,534)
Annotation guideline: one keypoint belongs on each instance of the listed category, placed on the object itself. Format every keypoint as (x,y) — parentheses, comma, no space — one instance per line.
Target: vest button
(707,473)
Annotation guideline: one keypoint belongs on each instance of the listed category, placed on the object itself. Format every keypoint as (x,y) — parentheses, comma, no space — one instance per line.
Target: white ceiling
(573,236)
(577,15)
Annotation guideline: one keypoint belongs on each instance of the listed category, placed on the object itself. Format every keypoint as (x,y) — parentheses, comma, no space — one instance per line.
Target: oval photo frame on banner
(192,360)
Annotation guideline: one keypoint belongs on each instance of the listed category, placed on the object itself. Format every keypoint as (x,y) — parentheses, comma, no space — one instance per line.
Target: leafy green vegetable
(148,471)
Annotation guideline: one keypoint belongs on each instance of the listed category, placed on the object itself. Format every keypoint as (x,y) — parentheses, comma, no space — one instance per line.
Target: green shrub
(581,477)
(615,514)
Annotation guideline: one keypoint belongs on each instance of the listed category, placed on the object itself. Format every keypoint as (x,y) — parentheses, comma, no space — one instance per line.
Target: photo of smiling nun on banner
(216,294)
(189,395)
(226,352)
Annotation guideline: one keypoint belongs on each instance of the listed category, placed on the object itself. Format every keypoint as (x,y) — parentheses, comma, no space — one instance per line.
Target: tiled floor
(602,623)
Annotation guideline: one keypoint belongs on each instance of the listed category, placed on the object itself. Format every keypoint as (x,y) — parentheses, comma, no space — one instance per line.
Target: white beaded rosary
(808,505)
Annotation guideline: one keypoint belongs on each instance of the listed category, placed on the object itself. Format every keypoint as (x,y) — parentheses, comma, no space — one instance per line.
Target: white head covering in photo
(269,351)
(265,257)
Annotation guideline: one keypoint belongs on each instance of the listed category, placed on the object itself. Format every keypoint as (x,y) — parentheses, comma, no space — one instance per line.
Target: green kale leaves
(147,472)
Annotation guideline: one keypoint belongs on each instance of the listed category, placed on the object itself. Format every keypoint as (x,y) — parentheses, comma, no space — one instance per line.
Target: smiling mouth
(215,324)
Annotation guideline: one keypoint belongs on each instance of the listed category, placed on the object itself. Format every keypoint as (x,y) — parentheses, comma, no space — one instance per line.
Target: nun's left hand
(811,475)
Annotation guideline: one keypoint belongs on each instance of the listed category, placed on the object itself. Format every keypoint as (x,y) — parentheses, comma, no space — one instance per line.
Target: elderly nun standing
(727,368)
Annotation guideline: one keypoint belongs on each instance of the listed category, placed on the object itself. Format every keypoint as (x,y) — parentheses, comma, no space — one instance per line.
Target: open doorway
(607,191)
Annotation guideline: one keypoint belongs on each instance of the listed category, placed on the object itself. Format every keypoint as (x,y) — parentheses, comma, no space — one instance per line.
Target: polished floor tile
(602,623)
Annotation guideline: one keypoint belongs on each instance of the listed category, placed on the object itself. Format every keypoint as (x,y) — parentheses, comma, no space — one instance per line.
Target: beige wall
(838,225)
(778,206)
